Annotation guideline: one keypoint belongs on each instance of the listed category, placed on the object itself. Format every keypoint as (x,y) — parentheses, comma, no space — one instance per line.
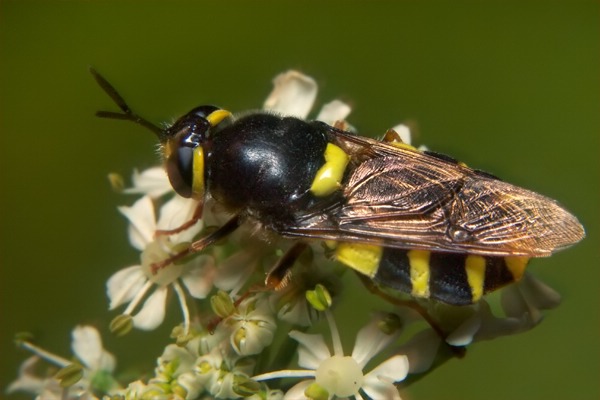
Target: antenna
(127,114)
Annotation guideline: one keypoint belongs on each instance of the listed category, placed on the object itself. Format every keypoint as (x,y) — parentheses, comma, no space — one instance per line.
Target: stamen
(184,307)
(335,335)
(138,297)
(285,373)
(52,358)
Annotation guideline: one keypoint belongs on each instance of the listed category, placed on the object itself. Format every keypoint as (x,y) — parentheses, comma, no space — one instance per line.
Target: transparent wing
(406,199)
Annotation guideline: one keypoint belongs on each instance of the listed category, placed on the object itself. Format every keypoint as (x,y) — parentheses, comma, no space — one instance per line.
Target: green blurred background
(507,86)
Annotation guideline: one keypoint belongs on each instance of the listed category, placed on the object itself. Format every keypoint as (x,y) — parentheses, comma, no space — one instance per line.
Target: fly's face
(185,146)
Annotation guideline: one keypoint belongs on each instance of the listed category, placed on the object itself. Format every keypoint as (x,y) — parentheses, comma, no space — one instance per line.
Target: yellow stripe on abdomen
(516,266)
(363,258)
(475,269)
(419,272)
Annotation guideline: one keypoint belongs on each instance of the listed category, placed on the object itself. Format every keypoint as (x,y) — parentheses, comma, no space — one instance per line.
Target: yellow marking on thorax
(329,176)
(475,269)
(419,272)
(363,258)
(198,174)
(516,266)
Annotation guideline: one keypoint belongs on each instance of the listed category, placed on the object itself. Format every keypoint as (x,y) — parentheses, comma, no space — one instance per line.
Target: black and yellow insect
(418,222)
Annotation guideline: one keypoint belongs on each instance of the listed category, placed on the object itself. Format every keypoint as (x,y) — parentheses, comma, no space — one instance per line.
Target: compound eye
(184,152)
(180,170)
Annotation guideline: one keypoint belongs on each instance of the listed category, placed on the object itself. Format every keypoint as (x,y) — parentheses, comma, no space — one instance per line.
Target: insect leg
(341,125)
(391,136)
(186,225)
(276,278)
(201,243)
(279,276)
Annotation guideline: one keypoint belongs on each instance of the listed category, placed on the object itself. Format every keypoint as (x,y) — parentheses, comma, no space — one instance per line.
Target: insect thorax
(265,164)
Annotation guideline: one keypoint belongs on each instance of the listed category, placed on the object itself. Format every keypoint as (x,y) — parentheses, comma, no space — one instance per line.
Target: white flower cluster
(241,339)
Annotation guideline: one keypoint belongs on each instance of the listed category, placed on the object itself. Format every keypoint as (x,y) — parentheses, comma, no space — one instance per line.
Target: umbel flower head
(90,372)
(341,375)
(131,284)
(238,339)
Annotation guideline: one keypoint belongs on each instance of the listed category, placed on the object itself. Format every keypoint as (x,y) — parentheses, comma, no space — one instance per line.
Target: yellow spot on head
(419,272)
(363,258)
(329,176)
(475,269)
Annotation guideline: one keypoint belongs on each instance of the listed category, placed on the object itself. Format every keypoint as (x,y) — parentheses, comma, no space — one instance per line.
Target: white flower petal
(516,306)
(142,222)
(381,390)
(208,365)
(87,346)
(394,369)
(191,383)
(27,380)
(296,312)
(463,335)
(134,390)
(254,329)
(527,297)
(152,313)
(312,349)
(175,213)
(259,334)
(234,271)
(404,132)
(152,182)
(421,350)
(333,111)
(262,310)
(185,360)
(492,328)
(208,342)
(124,284)
(484,325)
(369,341)
(256,338)
(156,252)
(538,293)
(223,387)
(198,279)
(294,94)
(297,391)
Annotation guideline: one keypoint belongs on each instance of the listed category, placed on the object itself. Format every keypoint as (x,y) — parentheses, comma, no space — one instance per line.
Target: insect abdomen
(453,278)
